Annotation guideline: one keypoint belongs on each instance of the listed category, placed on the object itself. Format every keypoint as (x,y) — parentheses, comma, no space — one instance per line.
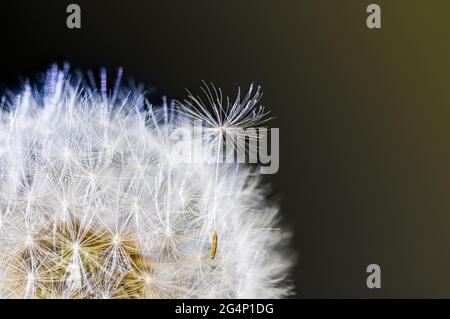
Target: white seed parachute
(93,204)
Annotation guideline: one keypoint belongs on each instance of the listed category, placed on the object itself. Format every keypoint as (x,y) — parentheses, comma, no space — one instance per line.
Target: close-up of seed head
(95,204)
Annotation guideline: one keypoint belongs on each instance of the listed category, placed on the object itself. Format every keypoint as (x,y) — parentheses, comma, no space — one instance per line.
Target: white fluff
(104,158)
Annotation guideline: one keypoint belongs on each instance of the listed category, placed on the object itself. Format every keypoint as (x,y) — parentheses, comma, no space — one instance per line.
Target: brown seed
(214,245)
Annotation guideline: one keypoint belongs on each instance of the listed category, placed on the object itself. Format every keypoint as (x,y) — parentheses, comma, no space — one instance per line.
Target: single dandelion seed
(214,245)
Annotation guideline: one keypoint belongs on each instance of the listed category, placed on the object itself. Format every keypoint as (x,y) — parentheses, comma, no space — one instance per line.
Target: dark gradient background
(364,115)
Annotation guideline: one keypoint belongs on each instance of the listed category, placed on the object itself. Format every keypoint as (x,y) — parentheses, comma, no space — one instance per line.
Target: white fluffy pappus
(93,206)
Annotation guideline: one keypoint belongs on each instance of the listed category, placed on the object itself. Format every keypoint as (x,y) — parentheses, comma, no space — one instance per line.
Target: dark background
(363,114)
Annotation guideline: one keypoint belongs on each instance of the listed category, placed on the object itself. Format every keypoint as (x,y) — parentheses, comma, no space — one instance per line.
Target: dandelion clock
(98,200)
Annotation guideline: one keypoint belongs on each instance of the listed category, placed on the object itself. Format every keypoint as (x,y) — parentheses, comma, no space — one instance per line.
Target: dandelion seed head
(94,204)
